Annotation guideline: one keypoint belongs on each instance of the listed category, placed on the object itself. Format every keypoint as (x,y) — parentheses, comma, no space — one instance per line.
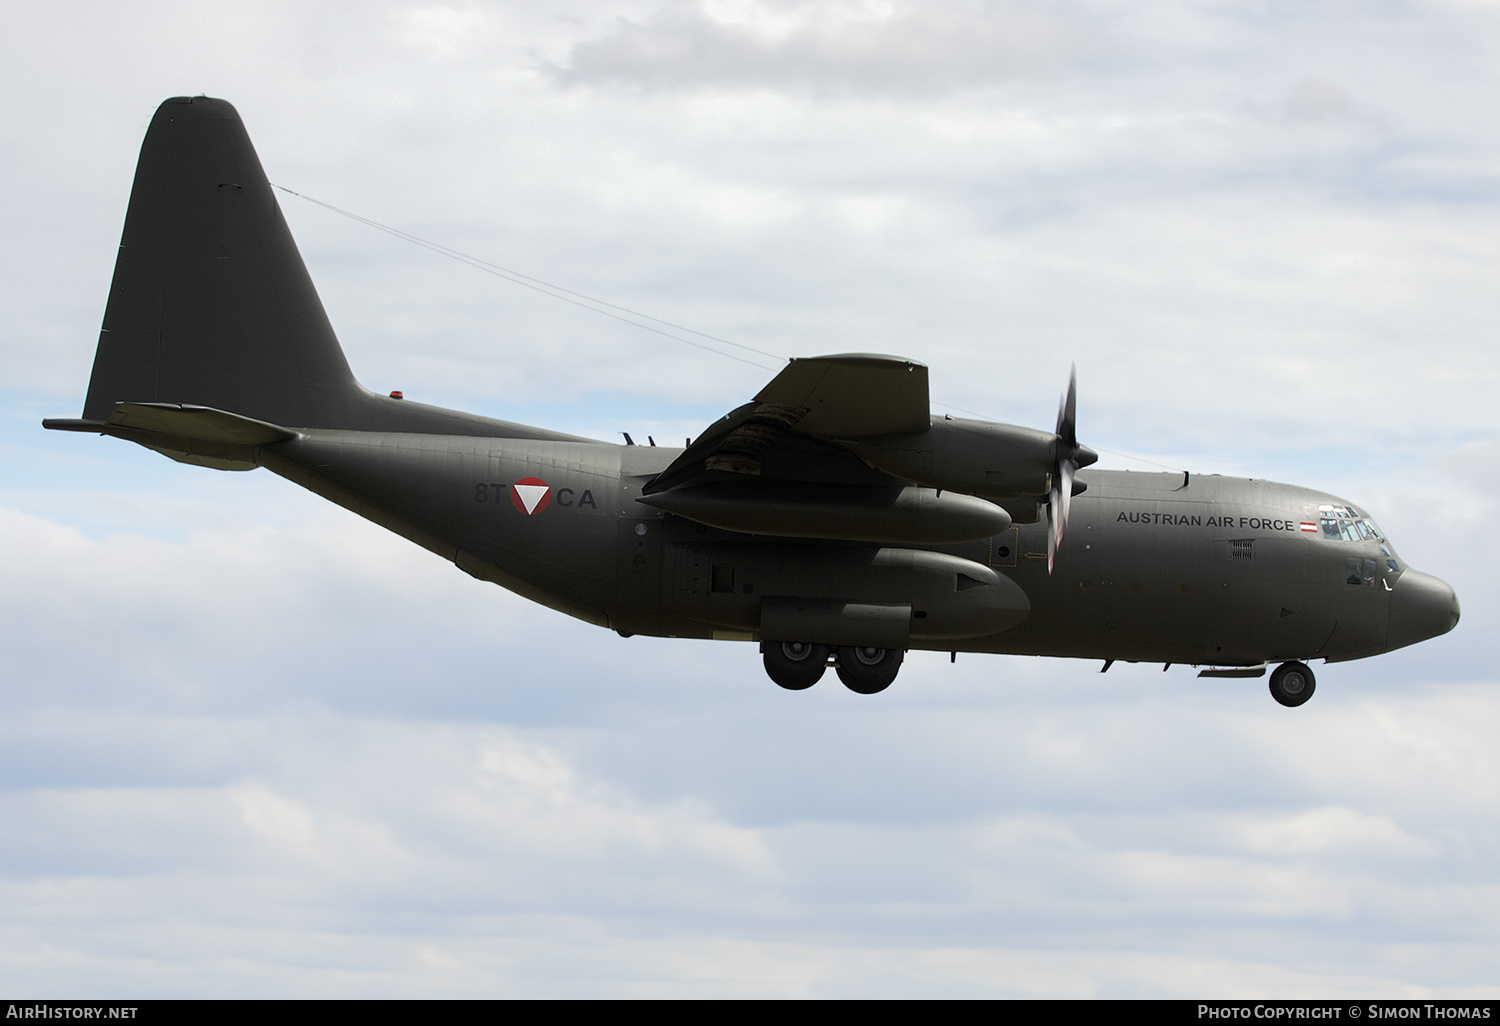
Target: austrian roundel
(530,495)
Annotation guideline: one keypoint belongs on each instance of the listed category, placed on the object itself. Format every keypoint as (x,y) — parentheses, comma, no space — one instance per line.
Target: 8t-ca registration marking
(530,495)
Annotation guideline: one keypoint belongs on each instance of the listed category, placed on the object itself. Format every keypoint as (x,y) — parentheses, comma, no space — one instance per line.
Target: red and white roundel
(530,495)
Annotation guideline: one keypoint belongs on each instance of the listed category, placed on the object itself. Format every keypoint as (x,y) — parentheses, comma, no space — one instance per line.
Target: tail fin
(211,304)
(212,308)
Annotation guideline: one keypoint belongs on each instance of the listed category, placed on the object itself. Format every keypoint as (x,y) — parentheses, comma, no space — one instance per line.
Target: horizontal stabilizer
(199,423)
(199,435)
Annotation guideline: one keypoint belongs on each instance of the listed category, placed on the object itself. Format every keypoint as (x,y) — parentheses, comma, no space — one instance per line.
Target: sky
(251,745)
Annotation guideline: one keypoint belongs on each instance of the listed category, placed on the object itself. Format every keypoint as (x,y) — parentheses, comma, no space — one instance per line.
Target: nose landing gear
(1292,684)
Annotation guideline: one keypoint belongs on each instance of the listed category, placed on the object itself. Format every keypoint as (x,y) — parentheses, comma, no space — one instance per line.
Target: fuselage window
(721,579)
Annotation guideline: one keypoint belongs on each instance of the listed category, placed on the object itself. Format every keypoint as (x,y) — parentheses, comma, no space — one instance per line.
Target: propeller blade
(1058,502)
(1069,453)
(1066,493)
(1054,535)
(1067,412)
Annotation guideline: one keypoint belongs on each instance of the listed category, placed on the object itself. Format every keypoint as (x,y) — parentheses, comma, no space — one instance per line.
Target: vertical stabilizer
(211,304)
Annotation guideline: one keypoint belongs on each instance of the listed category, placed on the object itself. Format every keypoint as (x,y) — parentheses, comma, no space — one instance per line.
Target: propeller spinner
(1070,456)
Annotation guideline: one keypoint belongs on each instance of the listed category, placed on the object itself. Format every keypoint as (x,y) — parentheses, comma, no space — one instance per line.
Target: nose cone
(1422,607)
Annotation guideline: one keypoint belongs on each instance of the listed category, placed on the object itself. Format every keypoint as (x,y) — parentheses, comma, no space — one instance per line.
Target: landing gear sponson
(796,665)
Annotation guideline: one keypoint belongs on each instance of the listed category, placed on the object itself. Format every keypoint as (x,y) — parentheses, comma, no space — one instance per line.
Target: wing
(785,464)
(853,396)
(785,432)
(846,447)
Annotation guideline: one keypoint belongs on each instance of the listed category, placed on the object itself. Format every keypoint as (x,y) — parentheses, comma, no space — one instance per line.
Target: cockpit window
(1345,523)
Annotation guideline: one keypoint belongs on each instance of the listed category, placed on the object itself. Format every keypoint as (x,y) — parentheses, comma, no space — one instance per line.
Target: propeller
(1069,457)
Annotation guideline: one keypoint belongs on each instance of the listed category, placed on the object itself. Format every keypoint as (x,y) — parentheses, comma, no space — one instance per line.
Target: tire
(795,665)
(1292,684)
(867,670)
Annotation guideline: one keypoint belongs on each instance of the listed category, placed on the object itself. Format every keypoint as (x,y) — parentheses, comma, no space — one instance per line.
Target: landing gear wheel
(795,665)
(866,670)
(1292,684)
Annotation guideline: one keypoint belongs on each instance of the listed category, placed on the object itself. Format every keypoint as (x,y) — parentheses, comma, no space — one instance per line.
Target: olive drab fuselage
(1155,567)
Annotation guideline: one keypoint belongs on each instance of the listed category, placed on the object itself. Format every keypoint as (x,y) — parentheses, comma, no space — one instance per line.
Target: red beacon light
(397,395)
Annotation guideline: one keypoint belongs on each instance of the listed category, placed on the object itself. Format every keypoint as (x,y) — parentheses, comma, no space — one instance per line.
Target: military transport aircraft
(833,519)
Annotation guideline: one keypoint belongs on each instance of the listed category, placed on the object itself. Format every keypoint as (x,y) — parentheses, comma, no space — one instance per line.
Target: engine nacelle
(996,461)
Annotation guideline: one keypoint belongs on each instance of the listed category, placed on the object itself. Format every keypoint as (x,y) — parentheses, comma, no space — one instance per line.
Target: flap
(856,395)
(734,444)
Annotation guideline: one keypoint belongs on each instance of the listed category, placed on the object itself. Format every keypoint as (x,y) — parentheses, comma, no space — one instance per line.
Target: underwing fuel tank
(910,594)
(792,509)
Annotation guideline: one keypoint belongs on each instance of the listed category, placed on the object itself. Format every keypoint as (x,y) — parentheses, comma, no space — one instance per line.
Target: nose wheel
(795,665)
(1292,684)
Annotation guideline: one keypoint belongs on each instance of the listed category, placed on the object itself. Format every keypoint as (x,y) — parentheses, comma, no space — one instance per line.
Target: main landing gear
(1292,684)
(865,670)
(796,665)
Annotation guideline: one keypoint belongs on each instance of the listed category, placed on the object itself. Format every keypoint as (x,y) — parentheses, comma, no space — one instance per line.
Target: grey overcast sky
(251,745)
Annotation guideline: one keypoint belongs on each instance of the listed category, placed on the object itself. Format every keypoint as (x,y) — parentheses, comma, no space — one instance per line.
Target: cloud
(1316,100)
(384,857)
(860,48)
(250,744)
